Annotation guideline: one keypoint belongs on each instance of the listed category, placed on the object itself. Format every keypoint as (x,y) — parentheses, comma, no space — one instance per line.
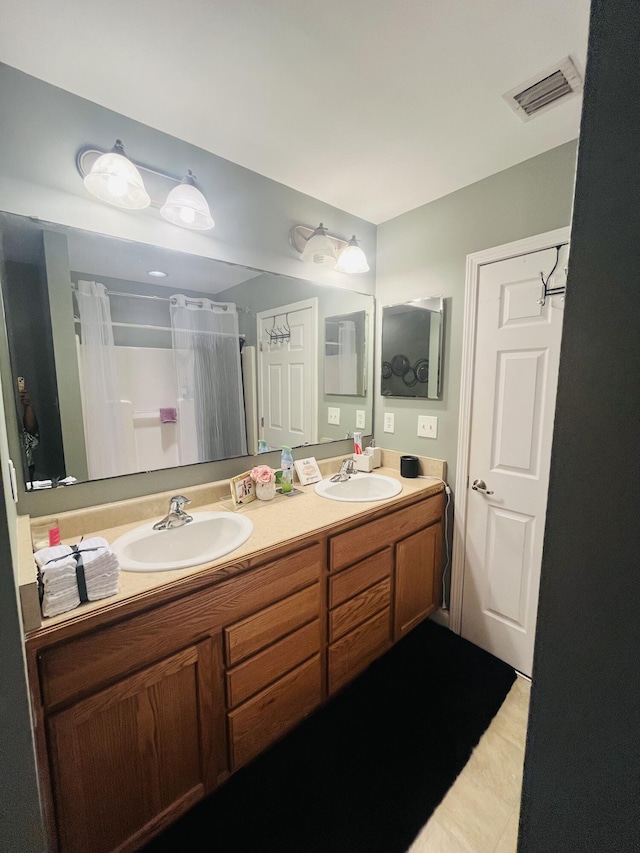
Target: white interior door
(513,403)
(288,368)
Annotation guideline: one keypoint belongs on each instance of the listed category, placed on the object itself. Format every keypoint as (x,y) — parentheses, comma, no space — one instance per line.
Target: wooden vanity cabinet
(384,579)
(134,753)
(274,678)
(418,578)
(142,709)
(132,716)
(359,617)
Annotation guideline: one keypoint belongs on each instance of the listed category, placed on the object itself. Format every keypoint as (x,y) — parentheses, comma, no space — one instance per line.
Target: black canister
(409,466)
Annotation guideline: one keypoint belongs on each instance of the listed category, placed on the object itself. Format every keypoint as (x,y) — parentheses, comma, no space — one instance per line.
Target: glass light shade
(187,207)
(319,248)
(352,259)
(113,178)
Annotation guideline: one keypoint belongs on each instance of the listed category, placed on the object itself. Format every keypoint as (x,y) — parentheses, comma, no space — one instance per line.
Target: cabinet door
(135,752)
(418,571)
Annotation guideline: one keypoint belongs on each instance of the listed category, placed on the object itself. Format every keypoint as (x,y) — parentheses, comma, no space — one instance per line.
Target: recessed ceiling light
(157,273)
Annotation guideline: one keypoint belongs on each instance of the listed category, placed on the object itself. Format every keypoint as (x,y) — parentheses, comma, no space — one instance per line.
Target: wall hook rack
(551,291)
(279,334)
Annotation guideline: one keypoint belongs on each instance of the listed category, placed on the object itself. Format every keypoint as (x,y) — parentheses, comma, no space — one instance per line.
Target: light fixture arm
(299,236)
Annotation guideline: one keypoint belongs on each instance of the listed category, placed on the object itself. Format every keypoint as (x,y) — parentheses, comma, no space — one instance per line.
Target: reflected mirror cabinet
(125,357)
(412,347)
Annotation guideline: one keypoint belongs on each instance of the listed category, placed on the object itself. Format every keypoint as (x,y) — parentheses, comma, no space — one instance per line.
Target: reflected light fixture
(114,178)
(319,247)
(186,206)
(352,259)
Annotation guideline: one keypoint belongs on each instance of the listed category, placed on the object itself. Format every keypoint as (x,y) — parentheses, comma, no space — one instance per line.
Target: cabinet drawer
(356,579)
(349,547)
(260,670)
(358,609)
(85,663)
(266,717)
(357,649)
(252,634)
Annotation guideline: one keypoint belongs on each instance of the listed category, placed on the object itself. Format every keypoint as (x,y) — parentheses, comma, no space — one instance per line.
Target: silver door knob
(480,486)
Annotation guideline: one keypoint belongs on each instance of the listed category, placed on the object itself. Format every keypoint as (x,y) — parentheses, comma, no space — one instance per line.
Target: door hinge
(467,481)
(261,422)
(260,346)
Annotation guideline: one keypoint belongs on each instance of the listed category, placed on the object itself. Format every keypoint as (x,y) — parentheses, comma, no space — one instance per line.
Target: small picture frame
(307,471)
(243,489)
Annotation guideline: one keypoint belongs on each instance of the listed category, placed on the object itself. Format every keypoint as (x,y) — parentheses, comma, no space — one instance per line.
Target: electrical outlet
(333,415)
(360,418)
(389,422)
(427,426)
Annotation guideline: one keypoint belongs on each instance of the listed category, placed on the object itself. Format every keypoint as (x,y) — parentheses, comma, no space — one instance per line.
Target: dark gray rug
(364,773)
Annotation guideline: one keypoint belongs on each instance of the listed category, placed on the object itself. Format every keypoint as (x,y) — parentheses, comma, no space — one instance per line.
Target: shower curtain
(206,345)
(103,428)
(341,363)
(347,357)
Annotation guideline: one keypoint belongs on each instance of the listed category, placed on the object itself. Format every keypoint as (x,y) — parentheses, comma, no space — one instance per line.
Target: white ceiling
(374,106)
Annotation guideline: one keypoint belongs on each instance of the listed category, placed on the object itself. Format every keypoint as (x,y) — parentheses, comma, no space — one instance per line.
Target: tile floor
(480,812)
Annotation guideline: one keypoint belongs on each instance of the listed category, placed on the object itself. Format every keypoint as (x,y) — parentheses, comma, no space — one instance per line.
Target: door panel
(513,404)
(508,563)
(518,410)
(288,375)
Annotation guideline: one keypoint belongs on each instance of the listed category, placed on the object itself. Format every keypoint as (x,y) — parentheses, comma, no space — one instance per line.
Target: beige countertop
(275,522)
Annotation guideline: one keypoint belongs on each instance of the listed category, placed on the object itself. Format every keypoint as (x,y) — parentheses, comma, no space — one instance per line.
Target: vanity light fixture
(187,207)
(317,246)
(352,259)
(114,178)
(320,249)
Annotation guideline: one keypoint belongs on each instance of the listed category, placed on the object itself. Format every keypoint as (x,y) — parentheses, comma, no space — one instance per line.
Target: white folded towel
(62,588)
(47,484)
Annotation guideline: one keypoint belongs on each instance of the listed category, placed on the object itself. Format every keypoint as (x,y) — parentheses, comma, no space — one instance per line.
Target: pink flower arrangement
(263,474)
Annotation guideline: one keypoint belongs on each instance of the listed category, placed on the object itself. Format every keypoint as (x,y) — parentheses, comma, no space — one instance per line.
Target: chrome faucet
(176,517)
(347,468)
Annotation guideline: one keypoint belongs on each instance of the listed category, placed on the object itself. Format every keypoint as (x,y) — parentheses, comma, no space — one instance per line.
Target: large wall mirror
(125,357)
(412,347)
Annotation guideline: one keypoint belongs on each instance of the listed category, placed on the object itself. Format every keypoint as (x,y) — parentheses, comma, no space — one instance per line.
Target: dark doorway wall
(581,787)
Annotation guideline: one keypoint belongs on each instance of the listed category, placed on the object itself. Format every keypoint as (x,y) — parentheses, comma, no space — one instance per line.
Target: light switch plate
(427,426)
(389,422)
(333,415)
(360,418)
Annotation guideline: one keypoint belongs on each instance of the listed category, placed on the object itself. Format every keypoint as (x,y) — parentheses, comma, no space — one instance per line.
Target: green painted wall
(423,253)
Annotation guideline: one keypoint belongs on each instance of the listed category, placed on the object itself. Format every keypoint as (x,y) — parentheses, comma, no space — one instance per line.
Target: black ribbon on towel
(81,580)
(80,577)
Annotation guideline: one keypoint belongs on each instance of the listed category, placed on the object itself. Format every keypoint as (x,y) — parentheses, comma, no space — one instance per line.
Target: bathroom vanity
(145,704)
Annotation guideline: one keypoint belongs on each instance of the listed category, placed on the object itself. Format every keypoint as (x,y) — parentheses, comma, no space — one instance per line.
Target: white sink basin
(360,487)
(210,535)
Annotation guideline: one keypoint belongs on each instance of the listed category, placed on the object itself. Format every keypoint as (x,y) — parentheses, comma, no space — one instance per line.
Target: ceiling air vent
(545,90)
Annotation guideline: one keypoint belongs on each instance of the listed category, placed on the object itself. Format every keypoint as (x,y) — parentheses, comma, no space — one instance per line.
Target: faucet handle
(178,503)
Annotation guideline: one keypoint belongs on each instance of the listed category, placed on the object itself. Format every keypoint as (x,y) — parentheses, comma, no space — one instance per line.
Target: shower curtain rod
(167,299)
